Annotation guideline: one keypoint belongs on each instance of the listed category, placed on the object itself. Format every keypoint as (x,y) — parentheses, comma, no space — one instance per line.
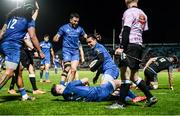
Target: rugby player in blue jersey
(18,23)
(107,66)
(26,58)
(48,51)
(77,91)
(71,34)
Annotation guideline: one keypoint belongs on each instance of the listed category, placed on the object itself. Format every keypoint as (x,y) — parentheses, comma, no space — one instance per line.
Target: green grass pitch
(46,104)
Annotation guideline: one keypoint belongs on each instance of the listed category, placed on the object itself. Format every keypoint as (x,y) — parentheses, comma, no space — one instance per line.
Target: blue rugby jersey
(17,29)
(70,35)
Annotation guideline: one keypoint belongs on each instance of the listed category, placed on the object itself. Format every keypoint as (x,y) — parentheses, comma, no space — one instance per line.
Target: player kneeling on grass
(157,64)
(102,62)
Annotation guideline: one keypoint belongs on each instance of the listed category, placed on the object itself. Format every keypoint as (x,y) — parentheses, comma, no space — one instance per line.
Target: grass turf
(46,104)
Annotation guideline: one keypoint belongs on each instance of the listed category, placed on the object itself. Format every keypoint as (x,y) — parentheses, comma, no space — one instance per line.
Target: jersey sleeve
(82,32)
(61,31)
(31,24)
(98,51)
(128,19)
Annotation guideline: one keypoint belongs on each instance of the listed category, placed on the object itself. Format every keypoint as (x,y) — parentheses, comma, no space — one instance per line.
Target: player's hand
(37,5)
(119,51)
(41,54)
(82,60)
(95,80)
(56,38)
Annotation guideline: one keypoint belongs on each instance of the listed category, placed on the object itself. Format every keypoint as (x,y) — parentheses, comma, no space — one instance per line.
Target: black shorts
(136,51)
(151,75)
(26,57)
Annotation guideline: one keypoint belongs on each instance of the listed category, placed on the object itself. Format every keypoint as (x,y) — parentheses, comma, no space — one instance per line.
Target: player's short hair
(92,36)
(72,15)
(129,1)
(53,90)
(175,59)
(23,11)
(46,35)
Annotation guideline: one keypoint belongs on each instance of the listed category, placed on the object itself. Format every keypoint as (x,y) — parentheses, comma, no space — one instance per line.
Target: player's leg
(74,65)
(67,67)
(32,78)
(151,78)
(55,67)
(66,64)
(136,51)
(12,54)
(11,88)
(42,67)
(47,65)
(20,85)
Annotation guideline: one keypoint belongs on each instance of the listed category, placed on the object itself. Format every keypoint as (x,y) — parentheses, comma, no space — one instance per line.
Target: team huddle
(19,44)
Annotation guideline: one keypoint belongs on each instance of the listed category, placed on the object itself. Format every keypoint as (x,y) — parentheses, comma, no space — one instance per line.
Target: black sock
(13,81)
(124,89)
(33,82)
(142,86)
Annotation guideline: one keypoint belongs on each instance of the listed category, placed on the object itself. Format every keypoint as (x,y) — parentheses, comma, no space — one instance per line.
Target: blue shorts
(100,93)
(11,51)
(45,61)
(70,54)
(114,72)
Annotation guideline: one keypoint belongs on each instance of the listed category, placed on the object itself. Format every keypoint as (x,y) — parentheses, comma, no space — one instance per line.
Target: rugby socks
(23,93)
(142,86)
(124,89)
(33,81)
(47,75)
(55,70)
(41,74)
(13,81)
(131,94)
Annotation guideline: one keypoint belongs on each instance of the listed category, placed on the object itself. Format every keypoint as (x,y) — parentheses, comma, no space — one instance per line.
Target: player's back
(162,63)
(16,29)
(136,19)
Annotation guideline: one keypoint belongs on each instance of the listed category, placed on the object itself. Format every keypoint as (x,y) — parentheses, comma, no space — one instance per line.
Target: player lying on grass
(157,64)
(78,91)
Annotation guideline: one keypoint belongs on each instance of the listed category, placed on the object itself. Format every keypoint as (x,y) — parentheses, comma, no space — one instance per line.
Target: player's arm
(36,11)
(35,40)
(100,58)
(85,36)
(151,60)
(85,81)
(81,53)
(52,54)
(97,75)
(3,31)
(125,37)
(170,77)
